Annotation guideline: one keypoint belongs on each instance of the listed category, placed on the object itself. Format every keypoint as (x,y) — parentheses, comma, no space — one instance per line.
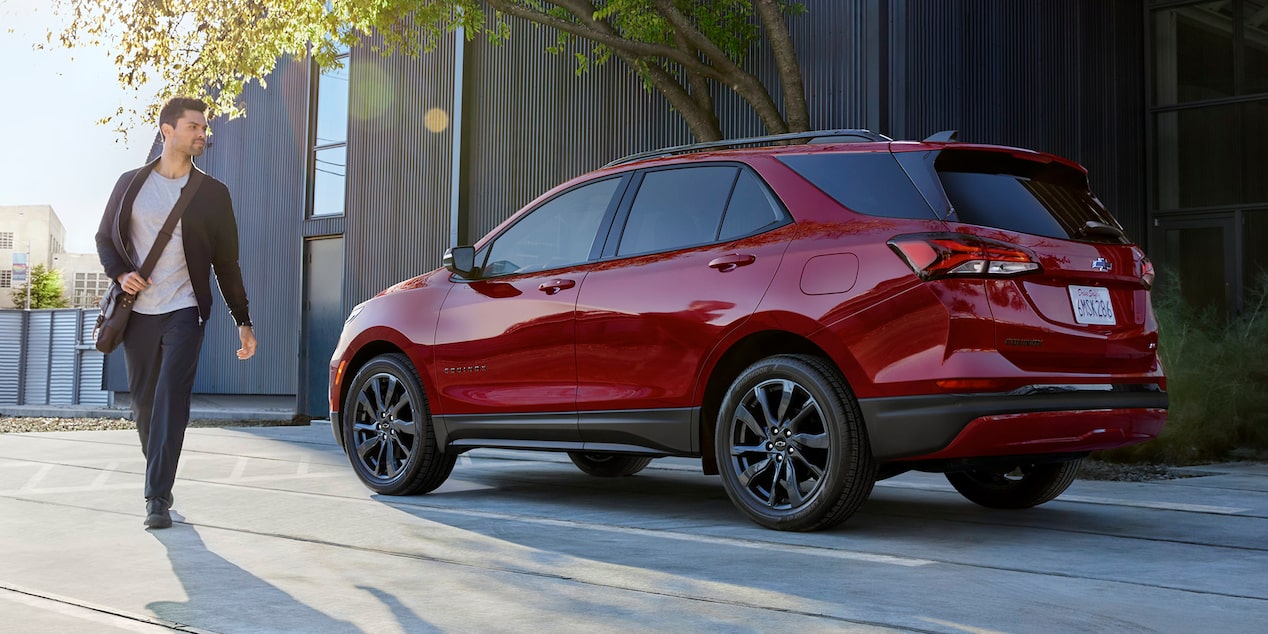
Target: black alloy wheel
(792,449)
(388,431)
(608,465)
(1015,487)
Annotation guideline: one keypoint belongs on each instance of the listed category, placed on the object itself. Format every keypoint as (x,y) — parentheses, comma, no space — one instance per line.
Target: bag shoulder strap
(165,234)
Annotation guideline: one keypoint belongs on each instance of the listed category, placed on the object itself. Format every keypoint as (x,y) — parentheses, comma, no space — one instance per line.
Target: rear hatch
(1086,308)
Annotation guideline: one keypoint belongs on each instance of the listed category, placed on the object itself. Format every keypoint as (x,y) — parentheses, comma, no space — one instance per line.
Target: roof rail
(816,136)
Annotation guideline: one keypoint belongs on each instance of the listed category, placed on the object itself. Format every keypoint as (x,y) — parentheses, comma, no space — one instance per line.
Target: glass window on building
(1209,105)
(1255,250)
(88,288)
(330,141)
(6,279)
(6,239)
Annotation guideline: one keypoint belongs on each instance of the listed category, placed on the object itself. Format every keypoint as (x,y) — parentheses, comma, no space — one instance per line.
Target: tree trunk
(795,110)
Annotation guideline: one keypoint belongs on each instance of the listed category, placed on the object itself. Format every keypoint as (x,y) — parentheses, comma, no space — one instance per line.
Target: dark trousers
(162,354)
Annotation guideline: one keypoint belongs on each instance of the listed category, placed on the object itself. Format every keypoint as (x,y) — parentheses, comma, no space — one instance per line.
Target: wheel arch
(738,357)
(372,348)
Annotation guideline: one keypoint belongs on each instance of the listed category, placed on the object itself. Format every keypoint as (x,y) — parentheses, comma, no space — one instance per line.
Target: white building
(37,231)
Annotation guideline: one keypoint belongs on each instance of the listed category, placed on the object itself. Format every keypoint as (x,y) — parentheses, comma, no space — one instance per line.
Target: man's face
(189,135)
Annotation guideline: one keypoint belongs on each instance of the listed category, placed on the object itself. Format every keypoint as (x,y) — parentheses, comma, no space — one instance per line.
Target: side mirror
(460,260)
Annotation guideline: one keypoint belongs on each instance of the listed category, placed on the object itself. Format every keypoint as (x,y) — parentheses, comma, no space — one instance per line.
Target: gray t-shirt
(171,289)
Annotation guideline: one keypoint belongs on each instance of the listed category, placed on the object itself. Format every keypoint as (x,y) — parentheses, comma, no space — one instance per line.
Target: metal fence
(47,358)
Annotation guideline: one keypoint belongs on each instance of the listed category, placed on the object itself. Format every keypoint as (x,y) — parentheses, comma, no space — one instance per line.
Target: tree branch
(608,38)
(741,81)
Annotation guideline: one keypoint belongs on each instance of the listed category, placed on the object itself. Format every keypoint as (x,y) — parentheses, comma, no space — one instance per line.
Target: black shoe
(156,513)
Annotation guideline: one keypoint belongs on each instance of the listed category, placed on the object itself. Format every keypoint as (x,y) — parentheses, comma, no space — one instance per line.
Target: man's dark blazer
(209,234)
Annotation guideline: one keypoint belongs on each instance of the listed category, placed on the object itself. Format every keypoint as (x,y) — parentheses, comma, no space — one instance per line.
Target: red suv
(806,317)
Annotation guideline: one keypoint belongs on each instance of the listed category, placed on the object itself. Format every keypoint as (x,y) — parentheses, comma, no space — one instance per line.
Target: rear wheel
(791,446)
(1016,487)
(608,465)
(388,432)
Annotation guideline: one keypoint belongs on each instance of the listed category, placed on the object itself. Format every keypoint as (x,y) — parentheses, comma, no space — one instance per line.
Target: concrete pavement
(275,534)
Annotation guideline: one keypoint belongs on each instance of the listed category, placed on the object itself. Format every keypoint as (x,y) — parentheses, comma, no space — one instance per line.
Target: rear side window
(752,208)
(871,183)
(677,208)
(993,189)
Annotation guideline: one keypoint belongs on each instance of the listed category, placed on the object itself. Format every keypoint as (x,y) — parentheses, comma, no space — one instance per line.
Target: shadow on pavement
(224,597)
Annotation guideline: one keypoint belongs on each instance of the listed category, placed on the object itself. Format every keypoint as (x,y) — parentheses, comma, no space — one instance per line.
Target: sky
(52,152)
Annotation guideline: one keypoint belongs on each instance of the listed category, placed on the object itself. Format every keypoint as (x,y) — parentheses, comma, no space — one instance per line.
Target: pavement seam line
(141,618)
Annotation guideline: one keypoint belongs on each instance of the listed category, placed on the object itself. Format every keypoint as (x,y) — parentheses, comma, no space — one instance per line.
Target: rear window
(871,183)
(994,189)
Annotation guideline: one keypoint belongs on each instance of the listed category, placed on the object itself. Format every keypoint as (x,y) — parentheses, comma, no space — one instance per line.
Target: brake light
(1147,273)
(935,255)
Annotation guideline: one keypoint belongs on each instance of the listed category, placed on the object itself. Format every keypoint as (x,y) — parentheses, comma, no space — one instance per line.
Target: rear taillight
(935,255)
(1147,273)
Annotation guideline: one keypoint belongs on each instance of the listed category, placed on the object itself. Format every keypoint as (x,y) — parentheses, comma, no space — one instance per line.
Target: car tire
(608,465)
(388,432)
(791,446)
(1017,487)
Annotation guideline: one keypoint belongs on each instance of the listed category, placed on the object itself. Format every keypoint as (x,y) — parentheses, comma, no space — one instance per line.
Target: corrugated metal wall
(12,344)
(1058,76)
(399,171)
(50,356)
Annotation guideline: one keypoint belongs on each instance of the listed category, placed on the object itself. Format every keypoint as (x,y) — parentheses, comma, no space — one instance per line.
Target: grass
(1217,380)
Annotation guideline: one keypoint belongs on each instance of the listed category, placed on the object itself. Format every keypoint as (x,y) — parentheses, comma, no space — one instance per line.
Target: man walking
(165,333)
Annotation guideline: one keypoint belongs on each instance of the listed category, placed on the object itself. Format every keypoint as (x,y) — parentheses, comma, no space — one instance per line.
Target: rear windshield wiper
(1094,228)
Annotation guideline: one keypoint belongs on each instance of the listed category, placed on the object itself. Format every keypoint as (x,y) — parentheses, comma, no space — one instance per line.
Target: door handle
(731,262)
(554,286)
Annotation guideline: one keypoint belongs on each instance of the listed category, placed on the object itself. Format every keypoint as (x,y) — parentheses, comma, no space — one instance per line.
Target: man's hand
(247,335)
(132,283)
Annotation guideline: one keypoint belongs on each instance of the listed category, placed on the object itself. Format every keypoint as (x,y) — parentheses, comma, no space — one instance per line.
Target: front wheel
(388,432)
(1015,487)
(791,446)
(608,465)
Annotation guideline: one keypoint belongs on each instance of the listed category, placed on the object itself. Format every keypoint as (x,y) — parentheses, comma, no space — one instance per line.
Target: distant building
(27,229)
(83,279)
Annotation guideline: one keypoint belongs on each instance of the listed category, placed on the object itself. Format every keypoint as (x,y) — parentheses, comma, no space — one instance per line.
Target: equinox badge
(1102,265)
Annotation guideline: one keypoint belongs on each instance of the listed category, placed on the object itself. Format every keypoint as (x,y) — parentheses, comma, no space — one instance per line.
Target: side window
(559,233)
(752,208)
(676,208)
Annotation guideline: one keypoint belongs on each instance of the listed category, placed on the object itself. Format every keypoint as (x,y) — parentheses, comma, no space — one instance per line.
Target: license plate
(1092,305)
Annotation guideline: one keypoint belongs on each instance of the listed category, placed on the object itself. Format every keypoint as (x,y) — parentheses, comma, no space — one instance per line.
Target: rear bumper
(1048,419)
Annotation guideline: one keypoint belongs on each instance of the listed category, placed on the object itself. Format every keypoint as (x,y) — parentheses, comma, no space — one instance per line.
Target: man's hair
(176,107)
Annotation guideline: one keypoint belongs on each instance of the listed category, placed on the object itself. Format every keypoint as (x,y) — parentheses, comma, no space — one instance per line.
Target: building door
(1200,252)
(322,322)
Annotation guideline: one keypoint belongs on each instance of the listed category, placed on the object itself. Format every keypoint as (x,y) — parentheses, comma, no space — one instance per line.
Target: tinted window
(752,208)
(559,233)
(676,208)
(993,189)
(872,184)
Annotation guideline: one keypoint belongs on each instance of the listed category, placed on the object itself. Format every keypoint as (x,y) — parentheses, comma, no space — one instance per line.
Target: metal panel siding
(64,330)
(91,362)
(11,343)
(35,373)
(1058,76)
(397,221)
(261,158)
